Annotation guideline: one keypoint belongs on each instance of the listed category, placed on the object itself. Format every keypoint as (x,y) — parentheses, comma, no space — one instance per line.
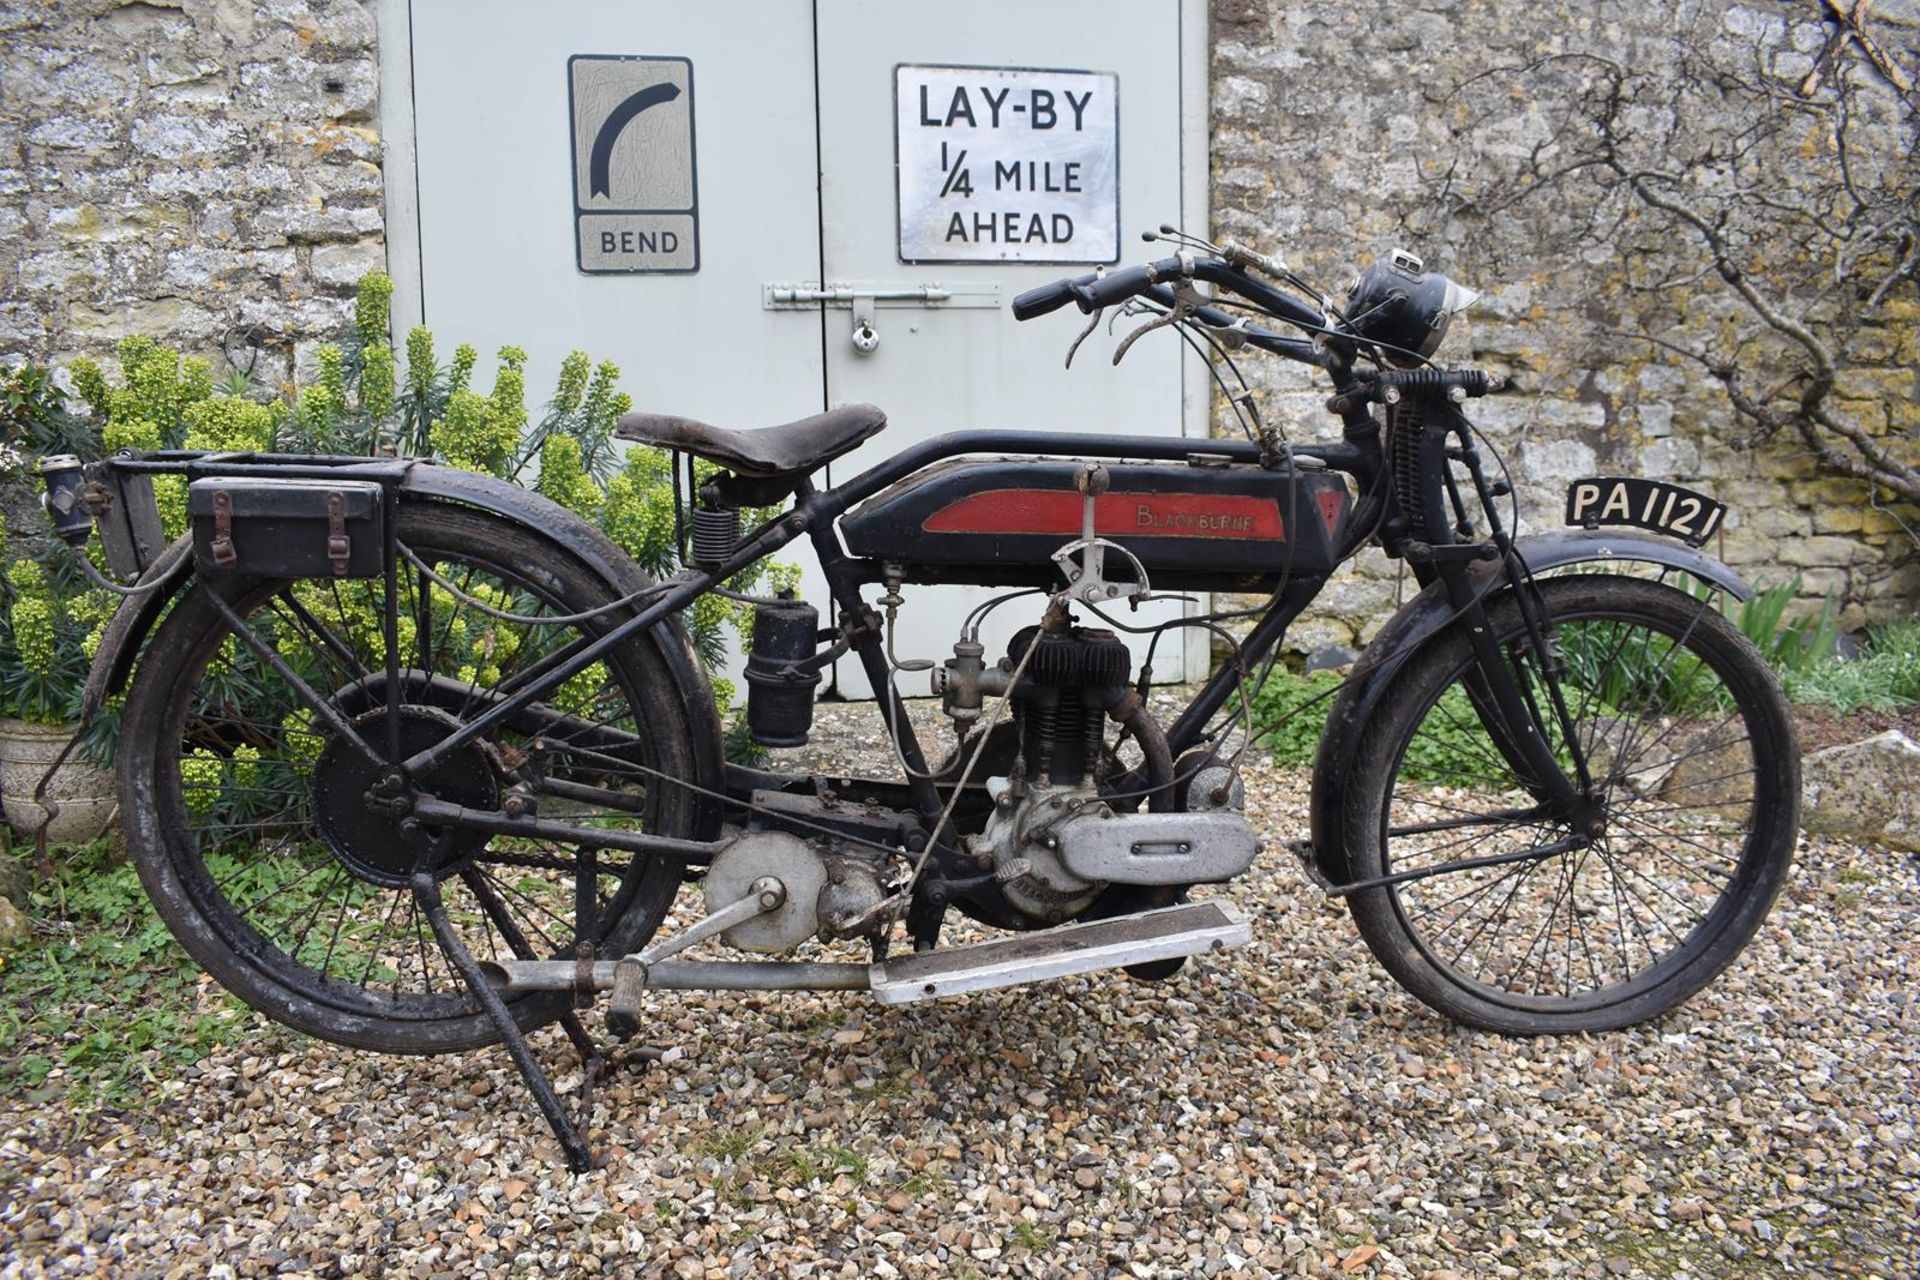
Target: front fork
(1507,704)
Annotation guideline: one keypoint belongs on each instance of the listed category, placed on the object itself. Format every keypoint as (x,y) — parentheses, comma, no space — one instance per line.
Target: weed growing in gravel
(824,1163)
(1031,1237)
(846,1160)
(881,1089)
(109,1000)
(926,1183)
(731,1144)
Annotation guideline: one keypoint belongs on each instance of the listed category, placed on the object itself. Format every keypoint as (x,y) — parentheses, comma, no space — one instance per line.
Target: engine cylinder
(1075,675)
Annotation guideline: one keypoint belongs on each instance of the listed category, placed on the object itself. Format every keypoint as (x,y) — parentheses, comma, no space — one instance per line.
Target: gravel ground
(1281,1110)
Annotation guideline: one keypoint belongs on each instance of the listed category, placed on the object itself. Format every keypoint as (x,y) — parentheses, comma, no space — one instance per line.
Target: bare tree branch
(1757,197)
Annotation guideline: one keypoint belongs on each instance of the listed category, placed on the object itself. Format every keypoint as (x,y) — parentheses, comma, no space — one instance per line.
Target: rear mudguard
(170,573)
(1429,615)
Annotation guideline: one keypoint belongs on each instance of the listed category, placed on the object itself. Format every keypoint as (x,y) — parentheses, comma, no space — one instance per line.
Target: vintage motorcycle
(414,760)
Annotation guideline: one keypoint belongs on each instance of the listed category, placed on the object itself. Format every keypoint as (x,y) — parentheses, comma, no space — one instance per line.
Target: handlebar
(1330,345)
(1093,290)
(1154,280)
(1118,286)
(1048,297)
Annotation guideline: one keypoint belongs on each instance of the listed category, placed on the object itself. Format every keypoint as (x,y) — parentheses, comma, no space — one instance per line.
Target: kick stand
(426,891)
(628,977)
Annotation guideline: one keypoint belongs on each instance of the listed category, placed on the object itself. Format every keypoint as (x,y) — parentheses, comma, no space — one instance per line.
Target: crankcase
(1156,848)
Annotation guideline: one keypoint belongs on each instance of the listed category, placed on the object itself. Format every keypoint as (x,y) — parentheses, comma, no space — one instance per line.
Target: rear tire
(247,823)
(1696,787)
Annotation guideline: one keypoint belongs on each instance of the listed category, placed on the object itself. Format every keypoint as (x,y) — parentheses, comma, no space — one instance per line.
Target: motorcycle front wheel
(256,828)
(1616,907)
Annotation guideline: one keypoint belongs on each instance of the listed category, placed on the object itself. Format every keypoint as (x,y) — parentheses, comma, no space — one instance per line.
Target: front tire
(1679,848)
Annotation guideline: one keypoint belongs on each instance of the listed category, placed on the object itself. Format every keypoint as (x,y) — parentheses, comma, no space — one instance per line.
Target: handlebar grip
(1113,287)
(1048,297)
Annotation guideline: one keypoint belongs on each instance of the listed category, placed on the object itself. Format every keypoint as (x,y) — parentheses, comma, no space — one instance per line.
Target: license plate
(1644,504)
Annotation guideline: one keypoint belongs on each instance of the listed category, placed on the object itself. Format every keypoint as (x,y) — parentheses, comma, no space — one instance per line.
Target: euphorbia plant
(365,398)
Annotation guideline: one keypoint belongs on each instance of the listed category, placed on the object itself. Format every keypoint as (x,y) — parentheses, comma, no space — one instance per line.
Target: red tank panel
(1201,527)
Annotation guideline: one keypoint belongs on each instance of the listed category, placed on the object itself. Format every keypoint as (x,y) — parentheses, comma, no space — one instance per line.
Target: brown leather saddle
(794,448)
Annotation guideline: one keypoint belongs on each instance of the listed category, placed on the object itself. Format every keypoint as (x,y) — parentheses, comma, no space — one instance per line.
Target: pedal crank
(766,895)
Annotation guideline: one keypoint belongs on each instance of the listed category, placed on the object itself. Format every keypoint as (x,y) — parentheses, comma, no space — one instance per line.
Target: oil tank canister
(779,692)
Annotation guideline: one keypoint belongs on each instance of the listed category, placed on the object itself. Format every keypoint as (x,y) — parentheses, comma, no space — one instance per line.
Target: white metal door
(916,85)
(788,121)
(499,261)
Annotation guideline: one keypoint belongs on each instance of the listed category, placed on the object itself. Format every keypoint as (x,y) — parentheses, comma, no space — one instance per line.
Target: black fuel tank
(1201,527)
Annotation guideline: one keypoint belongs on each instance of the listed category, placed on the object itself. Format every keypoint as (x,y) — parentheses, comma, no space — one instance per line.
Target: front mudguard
(172,571)
(1430,615)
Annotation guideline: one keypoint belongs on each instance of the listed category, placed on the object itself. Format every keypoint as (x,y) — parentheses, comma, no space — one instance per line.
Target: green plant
(1032,1237)
(48,614)
(1885,675)
(109,1000)
(730,1144)
(1795,646)
(1290,714)
(925,1183)
(34,420)
(1616,665)
(1452,743)
(846,1160)
(1804,651)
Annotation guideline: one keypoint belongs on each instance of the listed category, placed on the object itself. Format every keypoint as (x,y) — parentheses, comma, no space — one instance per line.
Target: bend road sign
(634,191)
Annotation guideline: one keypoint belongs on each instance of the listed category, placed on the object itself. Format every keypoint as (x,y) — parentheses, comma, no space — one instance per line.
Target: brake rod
(439,813)
(1465,864)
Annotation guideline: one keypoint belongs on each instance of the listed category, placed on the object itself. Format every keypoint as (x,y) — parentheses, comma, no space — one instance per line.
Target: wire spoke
(300,879)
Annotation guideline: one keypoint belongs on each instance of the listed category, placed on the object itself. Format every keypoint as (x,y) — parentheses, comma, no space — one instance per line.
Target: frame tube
(520,976)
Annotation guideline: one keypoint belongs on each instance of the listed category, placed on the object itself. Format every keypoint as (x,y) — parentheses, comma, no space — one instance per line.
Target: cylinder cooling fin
(1082,655)
(1074,675)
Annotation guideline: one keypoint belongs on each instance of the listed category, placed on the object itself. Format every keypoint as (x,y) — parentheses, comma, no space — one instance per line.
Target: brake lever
(1093,322)
(1186,301)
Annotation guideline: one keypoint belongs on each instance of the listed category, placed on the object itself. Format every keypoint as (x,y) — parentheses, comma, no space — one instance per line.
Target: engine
(1052,843)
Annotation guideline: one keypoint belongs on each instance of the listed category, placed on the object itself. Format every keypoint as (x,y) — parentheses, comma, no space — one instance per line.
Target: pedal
(623,1013)
(1190,929)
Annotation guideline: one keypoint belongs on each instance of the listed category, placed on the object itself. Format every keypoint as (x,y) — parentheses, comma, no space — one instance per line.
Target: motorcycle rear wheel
(1680,847)
(248,821)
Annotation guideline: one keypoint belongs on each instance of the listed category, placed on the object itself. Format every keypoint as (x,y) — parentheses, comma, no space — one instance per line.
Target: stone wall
(206,172)
(1336,129)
